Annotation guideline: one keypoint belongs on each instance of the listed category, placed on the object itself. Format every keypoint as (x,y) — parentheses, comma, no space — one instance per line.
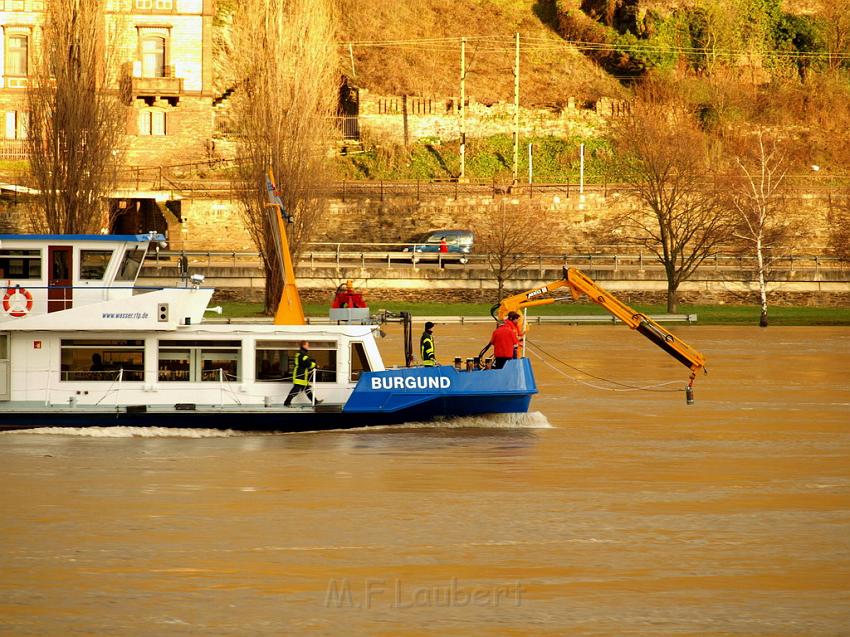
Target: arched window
(153,56)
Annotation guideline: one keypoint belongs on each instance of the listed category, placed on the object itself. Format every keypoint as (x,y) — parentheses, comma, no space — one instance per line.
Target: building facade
(164,70)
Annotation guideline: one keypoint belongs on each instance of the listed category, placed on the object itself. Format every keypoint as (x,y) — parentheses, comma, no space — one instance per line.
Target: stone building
(164,69)
(164,58)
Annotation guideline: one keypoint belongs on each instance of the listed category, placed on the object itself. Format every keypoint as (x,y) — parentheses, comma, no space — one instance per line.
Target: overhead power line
(536,43)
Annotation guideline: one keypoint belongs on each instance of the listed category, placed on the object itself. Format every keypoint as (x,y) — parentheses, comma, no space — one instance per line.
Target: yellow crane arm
(578,284)
(289,310)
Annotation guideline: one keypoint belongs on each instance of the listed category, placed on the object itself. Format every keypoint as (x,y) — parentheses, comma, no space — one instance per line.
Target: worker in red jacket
(504,342)
(513,322)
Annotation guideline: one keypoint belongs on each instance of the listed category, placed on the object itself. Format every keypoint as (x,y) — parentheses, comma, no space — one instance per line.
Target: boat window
(275,360)
(102,360)
(359,361)
(194,361)
(20,264)
(93,264)
(4,347)
(130,266)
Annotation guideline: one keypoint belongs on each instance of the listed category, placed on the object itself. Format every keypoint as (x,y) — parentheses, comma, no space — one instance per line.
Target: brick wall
(381,117)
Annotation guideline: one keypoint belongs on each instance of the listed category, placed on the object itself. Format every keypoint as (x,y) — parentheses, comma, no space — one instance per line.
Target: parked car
(458,242)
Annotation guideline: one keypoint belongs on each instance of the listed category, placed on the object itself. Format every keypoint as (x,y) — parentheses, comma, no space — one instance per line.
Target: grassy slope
(432,69)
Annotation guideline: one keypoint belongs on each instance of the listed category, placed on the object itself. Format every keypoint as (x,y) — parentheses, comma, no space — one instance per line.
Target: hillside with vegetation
(733,63)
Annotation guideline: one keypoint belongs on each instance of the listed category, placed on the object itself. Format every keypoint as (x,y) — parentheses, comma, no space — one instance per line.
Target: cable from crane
(624,387)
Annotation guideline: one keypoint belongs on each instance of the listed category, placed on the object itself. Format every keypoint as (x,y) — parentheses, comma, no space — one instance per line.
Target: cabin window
(275,360)
(93,264)
(129,269)
(87,360)
(195,361)
(359,361)
(20,264)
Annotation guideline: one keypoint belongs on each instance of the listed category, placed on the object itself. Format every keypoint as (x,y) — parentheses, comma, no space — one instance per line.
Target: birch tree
(77,120)
(758,197)
(285,64)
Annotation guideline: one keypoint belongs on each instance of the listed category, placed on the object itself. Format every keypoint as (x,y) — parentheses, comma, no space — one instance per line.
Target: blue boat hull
(395,396)
(445,391)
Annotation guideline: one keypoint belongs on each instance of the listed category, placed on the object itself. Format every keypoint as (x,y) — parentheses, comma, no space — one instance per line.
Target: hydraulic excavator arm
(578,284)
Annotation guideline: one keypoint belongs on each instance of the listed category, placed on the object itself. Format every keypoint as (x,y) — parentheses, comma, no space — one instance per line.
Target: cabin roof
(135,238)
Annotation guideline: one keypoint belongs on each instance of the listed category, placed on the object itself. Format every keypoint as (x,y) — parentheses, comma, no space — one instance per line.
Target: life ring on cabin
(17,302)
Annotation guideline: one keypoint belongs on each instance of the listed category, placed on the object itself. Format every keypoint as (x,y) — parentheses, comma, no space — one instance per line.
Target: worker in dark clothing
(304,366)
(504,342)
(427,351)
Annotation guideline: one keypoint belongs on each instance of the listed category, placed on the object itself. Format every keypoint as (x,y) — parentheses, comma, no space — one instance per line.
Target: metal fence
(393,256)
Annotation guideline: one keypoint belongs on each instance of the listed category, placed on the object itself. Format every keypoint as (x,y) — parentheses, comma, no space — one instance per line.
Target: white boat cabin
(75,330)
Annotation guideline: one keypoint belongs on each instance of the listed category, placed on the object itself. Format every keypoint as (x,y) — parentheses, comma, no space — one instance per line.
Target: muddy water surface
(602,513)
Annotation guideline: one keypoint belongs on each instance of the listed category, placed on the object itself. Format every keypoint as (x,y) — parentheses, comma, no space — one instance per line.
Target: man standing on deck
(304,366)
(427,351)
(504,342)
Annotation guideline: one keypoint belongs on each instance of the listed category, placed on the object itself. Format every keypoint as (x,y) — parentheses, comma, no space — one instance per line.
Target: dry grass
(550,71)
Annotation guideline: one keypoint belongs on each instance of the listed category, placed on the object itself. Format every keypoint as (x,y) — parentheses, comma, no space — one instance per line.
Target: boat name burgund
(411,382)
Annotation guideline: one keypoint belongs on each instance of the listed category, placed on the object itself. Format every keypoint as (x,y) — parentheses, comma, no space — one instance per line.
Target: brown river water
(601,513)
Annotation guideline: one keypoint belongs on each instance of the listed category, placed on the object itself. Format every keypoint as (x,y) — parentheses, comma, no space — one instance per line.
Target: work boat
(82,345)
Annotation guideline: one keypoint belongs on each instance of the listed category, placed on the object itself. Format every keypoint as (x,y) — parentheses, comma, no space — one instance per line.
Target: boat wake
(532,420)
(128,432)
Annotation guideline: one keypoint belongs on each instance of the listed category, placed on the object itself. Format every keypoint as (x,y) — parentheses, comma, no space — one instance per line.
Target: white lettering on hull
(410,382)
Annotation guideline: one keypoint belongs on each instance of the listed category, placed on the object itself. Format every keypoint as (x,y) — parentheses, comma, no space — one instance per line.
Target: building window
(164,5)
(153,122)
(93,264)
(153,56)
(84,360)
(194,361)
(17,54)
(144,4)
(17,123)
(20,264)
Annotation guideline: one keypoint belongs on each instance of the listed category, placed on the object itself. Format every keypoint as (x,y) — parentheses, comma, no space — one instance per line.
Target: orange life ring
(17,302)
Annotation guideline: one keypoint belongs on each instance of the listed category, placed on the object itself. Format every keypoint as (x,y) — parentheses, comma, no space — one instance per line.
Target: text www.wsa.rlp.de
(371,593)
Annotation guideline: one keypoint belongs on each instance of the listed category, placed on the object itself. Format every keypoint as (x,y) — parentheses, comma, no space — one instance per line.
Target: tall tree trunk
(762,283)
(77,121)
(672,298)
(284,58)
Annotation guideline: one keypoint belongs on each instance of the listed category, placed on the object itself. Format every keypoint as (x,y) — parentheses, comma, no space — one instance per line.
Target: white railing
(393,255)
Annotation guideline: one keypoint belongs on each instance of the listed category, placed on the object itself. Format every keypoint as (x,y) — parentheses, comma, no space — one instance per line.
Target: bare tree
(77,120)
(511,235)
(758,196)
(284,58)
(834,21)
(663,156)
